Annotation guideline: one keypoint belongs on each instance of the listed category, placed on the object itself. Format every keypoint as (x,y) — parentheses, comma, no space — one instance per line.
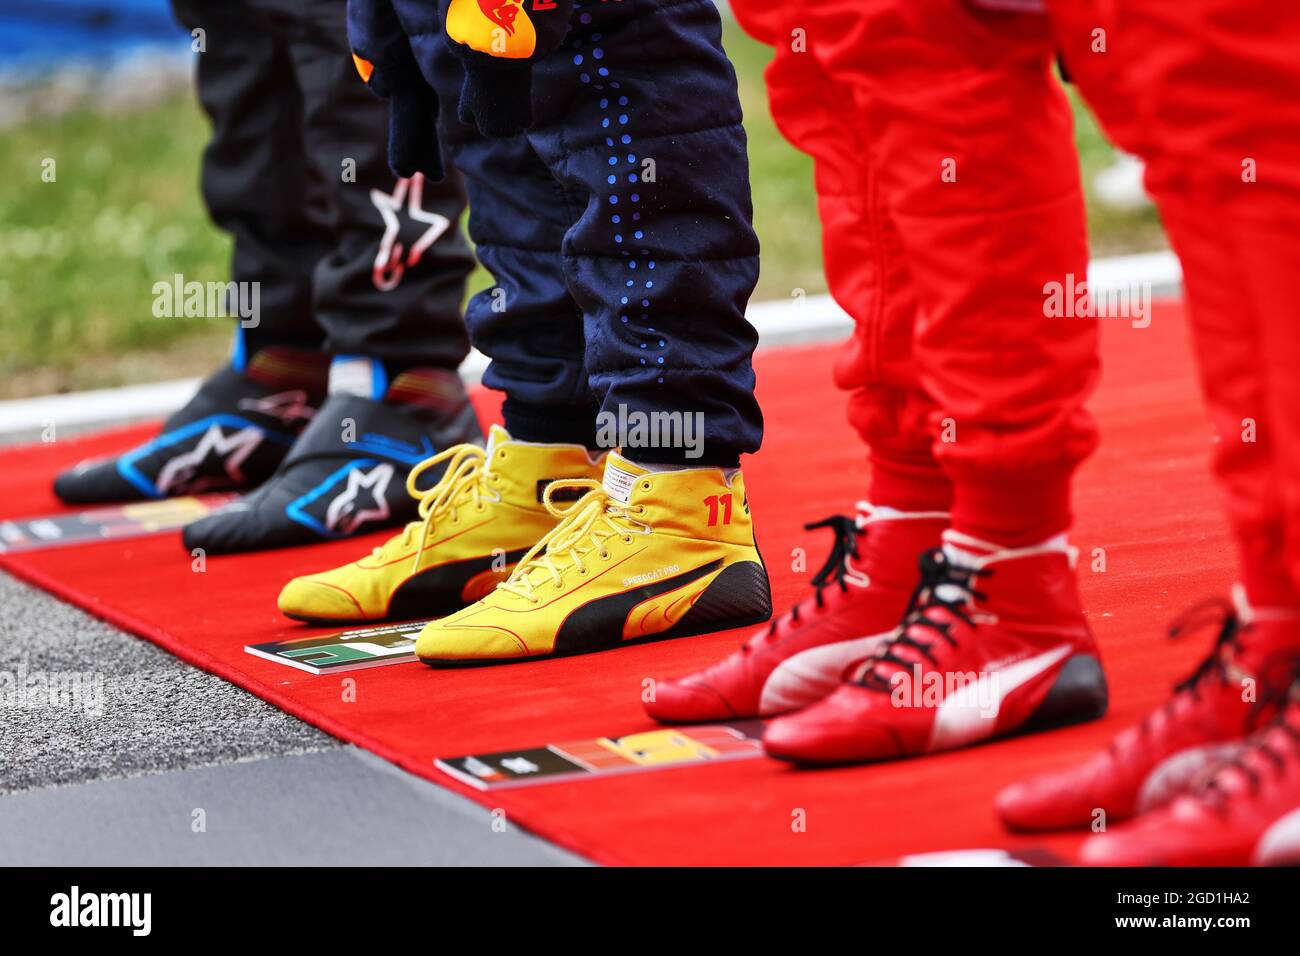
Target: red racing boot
(1236,689)
(1246,814)
(994,643)
(858,599)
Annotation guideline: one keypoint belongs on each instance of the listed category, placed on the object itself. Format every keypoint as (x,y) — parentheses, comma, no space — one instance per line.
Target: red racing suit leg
(954,138)
(862,253)
(1208,94)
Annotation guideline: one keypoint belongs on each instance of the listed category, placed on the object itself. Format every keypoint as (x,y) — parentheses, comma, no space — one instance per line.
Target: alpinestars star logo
(349,511)
(288,407)
(393,259)
(223,454)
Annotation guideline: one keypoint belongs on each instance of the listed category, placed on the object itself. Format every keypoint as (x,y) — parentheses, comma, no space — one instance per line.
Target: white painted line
(97,407)
(1161,269)
(808,319)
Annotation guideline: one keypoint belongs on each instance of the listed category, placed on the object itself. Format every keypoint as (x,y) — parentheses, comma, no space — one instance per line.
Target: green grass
(79,256)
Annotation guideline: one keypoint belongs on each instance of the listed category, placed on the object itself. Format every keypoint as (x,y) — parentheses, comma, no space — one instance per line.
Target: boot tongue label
(356,375)
(618,483)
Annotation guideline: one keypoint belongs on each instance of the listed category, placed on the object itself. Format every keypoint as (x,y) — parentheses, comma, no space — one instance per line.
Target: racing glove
(498,41)
(382,53)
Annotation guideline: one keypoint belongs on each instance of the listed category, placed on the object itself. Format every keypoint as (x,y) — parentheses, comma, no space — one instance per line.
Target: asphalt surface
(140,710)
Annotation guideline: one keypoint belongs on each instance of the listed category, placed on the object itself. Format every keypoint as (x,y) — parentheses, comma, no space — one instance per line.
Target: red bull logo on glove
(499,28)
(503,13)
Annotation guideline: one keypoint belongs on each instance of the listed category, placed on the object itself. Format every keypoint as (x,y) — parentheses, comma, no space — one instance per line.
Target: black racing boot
(347,473)
(232,434)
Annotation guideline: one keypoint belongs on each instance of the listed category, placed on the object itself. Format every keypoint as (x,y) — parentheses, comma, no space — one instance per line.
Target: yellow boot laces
(584,526)
(466,479)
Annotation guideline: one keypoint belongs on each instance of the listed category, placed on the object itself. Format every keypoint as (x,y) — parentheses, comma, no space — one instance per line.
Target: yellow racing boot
(642,557)
(483,515)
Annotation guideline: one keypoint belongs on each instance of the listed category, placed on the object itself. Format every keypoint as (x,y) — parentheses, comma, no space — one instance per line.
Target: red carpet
(1146,499)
